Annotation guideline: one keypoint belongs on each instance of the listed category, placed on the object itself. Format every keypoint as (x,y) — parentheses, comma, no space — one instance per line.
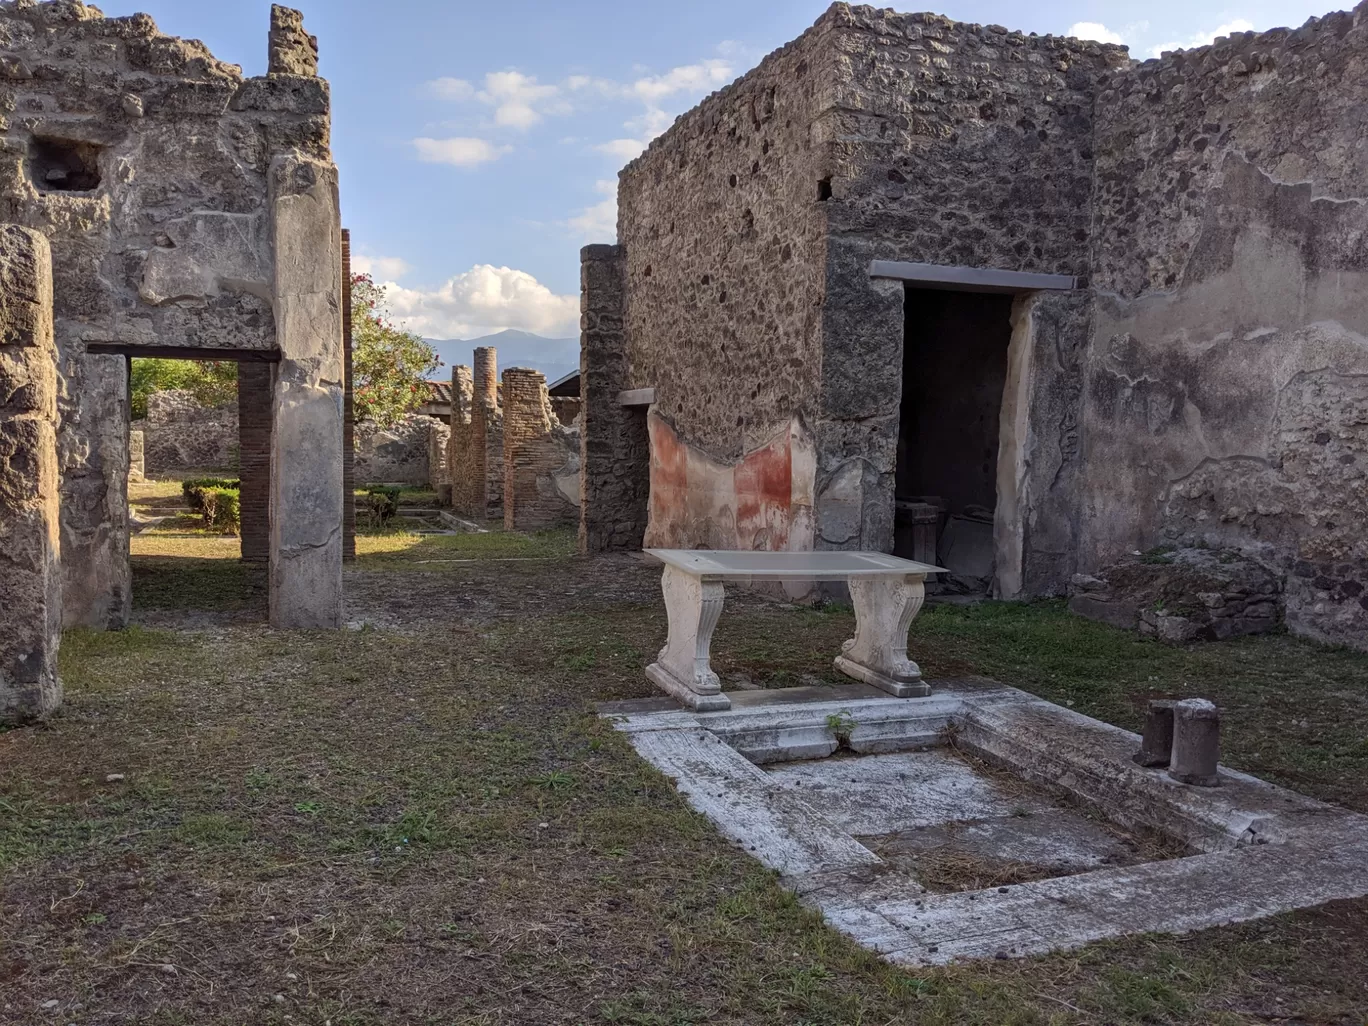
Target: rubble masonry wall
(1227,379)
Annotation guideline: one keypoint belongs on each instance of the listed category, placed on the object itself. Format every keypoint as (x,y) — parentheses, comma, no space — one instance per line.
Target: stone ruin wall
(165,182)
(393,455)
(723,242)
(1226,398)
(181,435)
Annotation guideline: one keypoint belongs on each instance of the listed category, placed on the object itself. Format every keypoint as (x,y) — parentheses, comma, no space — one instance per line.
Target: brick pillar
(255,389)
(615,448)
(348,410)
(537,455)
(30,534)
(487,433)
(465,496)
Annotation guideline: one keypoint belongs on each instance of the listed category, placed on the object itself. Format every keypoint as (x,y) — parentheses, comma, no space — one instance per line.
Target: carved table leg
(693,606)
(884,610)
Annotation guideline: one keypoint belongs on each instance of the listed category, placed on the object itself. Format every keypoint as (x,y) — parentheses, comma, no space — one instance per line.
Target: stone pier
(306,443)
(30,538)
(615,448)
(467,498)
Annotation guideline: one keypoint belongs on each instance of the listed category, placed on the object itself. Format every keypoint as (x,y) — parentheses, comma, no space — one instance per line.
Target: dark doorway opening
(954,376)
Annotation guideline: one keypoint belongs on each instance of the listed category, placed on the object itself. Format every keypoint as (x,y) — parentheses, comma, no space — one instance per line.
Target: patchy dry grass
(428,825)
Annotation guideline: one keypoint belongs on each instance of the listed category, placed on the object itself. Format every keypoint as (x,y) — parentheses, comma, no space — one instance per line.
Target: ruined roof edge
(842,15)
(141,25)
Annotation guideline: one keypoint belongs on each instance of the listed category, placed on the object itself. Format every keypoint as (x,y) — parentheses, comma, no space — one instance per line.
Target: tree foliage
(389,366)
(211,382)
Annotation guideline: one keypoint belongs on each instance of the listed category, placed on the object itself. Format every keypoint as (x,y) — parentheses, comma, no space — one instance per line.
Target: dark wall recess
(63,165)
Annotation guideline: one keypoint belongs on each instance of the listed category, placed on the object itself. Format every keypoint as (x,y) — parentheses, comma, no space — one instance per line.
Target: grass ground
(424,822)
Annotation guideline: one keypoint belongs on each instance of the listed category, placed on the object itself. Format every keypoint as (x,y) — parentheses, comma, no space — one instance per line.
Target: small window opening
(824,190)
(62,165)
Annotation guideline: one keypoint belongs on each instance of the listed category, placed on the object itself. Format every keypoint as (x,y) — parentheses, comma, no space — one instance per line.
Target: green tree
(389,366)
(211,382)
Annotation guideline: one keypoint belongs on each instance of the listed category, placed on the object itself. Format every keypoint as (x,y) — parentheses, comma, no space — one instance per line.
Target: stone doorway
(955,365)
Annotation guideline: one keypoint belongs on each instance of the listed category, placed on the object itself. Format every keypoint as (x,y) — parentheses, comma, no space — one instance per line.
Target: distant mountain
(554,357)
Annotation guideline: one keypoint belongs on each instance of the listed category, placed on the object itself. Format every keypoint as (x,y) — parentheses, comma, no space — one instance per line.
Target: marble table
(887,593)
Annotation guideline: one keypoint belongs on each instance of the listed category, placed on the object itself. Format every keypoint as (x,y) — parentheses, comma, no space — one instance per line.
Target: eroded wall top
(144,160)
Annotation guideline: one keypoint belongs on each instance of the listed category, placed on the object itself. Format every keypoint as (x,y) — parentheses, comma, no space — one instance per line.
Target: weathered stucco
(1227,380)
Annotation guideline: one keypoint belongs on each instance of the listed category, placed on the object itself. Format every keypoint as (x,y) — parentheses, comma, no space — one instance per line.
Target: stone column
(348,410)
(306,441)
(255,387)
(615,448)
(487,433)
(30,536)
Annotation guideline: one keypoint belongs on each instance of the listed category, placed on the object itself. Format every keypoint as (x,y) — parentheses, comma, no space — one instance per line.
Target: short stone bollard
(1156,745)
(1196,743)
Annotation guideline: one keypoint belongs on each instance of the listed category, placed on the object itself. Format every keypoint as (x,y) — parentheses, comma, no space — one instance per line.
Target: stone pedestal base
(694,606)
(884,610)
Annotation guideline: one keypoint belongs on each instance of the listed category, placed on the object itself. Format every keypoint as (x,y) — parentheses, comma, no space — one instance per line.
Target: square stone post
(255,387)
(306,441)
(615,448)
(30,535)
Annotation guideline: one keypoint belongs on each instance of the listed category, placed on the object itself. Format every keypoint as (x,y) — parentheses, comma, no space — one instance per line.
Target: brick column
(348,410)
(487,433)
(465,496)
(615,460)
(30,535)
(255,387)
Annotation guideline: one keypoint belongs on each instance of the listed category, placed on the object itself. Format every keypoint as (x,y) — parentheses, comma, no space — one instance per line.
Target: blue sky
(479,143)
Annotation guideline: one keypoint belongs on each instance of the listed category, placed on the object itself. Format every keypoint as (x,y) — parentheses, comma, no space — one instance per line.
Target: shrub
(380,506)
(222,509)
(193,489)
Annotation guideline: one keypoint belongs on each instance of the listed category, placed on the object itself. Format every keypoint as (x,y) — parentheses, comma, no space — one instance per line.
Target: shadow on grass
(195,584)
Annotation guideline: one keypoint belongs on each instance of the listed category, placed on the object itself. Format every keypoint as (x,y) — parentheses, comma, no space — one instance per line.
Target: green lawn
(428,823)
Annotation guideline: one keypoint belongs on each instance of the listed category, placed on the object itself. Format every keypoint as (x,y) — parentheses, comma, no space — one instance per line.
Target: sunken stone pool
(983,822)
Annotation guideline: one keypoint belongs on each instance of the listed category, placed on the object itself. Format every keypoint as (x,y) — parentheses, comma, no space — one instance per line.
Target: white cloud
(598,223)
(1095,31)
(459,152)
(623,149)
(519,101)
(452,88)
(703,77)
(643,128)
(381,267)
(1205,38)
(481,301)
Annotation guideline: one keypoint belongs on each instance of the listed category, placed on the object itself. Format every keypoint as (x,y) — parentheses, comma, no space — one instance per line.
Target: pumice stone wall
(1073,304)
(189,211)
